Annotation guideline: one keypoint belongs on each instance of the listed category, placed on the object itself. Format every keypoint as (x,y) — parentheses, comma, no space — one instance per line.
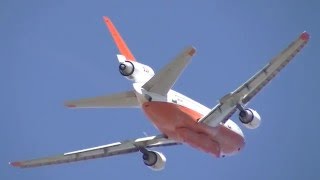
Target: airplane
(179,119)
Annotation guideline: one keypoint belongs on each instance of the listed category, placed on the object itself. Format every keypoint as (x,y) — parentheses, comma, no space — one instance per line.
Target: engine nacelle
(126,68)
(154,160)
(135,71)
(250,118)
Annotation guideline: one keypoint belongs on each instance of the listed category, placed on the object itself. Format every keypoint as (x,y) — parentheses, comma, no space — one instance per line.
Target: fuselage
(176,116)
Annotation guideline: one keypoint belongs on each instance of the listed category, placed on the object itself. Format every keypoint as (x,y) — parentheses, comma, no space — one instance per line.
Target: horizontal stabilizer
(124,99)
(163,81)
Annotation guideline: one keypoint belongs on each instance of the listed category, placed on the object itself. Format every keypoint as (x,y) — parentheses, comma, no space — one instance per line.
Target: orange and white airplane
(180,119)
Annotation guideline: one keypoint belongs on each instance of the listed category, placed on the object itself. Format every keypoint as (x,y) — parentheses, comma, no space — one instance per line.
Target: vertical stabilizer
(122,46)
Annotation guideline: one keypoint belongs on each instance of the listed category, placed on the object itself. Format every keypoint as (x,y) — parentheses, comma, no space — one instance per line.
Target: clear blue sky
(52,51)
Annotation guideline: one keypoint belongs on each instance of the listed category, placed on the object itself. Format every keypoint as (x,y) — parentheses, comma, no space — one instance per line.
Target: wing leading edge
(244,93)
(118,148)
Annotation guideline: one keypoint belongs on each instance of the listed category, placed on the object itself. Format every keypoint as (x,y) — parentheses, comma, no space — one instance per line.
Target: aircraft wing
(243,94)
(113,149)
(124,99)
(162,81)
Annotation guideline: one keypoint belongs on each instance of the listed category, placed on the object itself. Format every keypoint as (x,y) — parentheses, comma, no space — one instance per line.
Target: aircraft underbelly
(180,123)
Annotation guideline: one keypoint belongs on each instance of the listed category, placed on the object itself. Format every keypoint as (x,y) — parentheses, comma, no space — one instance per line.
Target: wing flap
(125,147)
(124,99)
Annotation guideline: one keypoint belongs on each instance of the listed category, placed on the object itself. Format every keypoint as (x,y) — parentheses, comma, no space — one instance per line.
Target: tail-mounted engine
(250,118)
(135,71)
(126,68)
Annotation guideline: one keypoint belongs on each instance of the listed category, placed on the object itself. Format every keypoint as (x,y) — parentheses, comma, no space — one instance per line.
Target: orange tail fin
(122,46)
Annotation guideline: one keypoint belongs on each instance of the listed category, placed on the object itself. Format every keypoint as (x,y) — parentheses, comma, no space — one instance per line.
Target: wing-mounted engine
(250,118)
(154,160)
(135,71)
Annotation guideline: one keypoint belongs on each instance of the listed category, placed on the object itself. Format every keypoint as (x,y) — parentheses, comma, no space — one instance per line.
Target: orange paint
(192,51)
(304,36)
(15,164)
(180,123)
(71,105)
(122,46)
